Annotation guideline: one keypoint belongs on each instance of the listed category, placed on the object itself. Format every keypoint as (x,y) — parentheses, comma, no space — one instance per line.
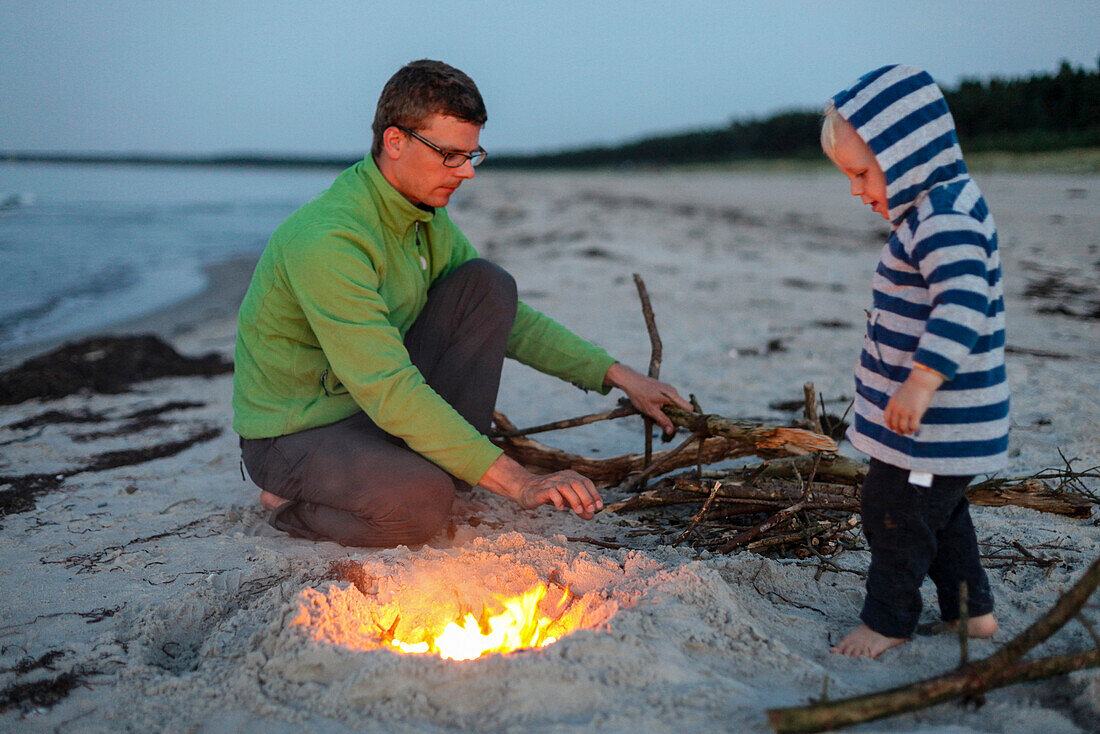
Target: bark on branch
(726,439)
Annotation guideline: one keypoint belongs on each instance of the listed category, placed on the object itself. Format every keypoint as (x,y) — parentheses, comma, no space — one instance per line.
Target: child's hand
(907,406)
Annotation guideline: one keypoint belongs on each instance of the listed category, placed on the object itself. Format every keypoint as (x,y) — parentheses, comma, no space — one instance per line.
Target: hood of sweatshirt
(902,116)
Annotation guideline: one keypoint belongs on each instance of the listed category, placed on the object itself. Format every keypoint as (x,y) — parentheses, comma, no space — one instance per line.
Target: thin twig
(654,357)
(651,327)
(620,412)
(598,543)
(756,531)
(809,409)
(651,469)
(695,520)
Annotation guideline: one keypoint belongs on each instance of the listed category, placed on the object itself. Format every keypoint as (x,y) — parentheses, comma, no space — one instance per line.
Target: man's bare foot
(865,642)
(980,627)
(271,501)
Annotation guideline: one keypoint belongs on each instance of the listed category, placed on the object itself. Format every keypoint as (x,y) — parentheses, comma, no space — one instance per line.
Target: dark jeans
(916,532)
(352,482)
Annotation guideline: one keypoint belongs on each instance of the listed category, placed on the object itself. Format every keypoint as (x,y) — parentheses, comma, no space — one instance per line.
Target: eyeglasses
(451,159)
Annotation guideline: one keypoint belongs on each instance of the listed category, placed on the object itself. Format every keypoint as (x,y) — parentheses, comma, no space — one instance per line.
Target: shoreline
(218,301)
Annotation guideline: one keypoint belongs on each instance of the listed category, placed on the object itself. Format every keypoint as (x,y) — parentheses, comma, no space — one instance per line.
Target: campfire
(449,614)
(521,625)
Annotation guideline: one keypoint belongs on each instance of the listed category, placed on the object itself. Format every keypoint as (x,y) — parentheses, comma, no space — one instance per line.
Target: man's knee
(490,279)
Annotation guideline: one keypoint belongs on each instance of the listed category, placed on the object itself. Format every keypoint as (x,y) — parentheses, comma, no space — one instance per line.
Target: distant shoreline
(238,160)
(1074,161)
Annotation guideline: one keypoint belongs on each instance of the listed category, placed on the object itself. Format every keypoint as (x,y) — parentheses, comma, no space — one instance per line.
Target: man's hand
(646,394)
(561,489)
(907,406)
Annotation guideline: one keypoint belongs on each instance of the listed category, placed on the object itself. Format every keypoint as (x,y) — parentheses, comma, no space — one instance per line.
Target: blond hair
(831,121)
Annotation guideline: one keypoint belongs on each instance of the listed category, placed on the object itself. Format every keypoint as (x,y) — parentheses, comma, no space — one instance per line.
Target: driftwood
(1002,668)
(656,351)
(765,440)
(726,439)
(1031,493)
(832,468)
(754,498)
(823,521)
(775,520)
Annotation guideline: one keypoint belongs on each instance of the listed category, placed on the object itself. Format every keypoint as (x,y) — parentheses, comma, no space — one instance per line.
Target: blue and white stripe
(938,296)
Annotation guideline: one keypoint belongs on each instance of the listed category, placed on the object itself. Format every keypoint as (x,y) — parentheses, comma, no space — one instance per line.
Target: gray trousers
(353,483)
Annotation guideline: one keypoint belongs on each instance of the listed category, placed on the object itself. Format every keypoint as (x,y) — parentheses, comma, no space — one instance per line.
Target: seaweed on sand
(104,365)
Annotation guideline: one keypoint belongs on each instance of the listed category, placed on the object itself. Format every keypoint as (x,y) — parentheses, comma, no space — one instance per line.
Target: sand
(154,597)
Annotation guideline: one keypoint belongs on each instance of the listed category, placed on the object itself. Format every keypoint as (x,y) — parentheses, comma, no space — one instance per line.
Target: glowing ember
(521,625)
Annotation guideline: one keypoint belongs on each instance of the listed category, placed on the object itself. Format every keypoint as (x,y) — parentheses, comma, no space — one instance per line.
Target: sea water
(83,246)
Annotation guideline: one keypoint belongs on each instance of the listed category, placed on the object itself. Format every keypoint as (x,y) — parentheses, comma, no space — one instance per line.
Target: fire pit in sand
(455,621)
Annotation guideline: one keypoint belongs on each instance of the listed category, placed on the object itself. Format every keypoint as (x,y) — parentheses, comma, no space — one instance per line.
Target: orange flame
(519,626)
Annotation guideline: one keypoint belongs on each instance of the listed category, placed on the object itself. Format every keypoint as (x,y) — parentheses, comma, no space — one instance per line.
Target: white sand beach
(155,597)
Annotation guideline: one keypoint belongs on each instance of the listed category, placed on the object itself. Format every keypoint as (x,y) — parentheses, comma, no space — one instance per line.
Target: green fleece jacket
(321,329)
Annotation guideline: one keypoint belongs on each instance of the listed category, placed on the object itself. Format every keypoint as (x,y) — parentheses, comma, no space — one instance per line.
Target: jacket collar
(394,211)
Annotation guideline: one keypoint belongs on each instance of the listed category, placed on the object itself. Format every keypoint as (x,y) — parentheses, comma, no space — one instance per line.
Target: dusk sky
(209,77)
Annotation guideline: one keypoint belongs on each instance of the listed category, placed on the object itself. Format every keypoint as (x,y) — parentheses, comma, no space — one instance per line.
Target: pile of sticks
(802,501)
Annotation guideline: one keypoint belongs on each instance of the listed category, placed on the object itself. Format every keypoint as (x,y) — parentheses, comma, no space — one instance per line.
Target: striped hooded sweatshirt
(938,296)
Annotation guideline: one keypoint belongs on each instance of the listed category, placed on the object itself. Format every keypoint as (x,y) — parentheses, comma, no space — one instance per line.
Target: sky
(304,76)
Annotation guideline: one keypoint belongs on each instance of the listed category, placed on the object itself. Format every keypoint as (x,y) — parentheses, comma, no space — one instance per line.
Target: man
(371,341)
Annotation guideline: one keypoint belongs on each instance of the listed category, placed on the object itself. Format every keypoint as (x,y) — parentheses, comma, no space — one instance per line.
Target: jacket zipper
(419,252)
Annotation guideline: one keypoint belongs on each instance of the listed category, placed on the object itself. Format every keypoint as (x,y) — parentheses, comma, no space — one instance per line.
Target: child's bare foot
(271,501)
(980,627)
(865,642)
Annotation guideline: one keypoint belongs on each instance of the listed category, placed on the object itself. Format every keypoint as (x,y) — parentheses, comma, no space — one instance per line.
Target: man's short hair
(423,88)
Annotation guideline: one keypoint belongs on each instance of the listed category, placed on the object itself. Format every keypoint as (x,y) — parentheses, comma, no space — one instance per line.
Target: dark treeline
(236,160)
(1051,111)
(1041,112)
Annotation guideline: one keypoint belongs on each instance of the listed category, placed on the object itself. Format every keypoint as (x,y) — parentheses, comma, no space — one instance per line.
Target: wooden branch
(667,456)
(768,440)
(756,531)
(1030,493)
(1002,668)
(651,327)
(620,412)
(695,520)
(729,439)
(654,360)
(833,468)
(774,493)
(809,408)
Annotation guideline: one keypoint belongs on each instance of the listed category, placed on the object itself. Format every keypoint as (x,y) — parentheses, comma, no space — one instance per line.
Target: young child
(931,406)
